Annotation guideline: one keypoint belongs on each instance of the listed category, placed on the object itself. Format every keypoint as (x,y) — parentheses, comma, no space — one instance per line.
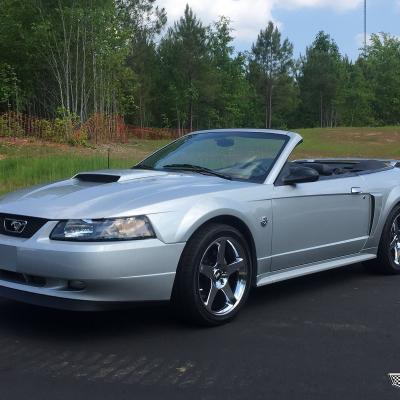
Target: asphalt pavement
(334,335)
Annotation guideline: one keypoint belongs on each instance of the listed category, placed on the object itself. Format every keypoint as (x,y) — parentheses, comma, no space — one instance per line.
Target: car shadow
(27,320)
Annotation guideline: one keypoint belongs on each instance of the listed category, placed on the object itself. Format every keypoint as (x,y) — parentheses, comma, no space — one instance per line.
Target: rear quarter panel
(385,188)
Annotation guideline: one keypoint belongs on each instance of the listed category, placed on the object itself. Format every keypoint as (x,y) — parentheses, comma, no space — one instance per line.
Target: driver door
(318,221)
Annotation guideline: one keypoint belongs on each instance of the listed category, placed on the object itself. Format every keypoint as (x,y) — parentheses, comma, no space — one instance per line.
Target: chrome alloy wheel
(223,276)
(395,240)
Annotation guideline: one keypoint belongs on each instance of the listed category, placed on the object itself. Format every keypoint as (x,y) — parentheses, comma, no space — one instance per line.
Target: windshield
(247,156)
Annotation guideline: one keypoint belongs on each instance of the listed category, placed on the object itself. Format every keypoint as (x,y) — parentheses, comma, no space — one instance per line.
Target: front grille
(32,225)
(24,279)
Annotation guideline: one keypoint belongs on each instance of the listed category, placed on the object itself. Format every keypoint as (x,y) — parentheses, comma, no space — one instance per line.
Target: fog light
(76,285)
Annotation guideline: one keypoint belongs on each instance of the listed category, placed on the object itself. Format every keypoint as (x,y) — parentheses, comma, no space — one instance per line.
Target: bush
(44,128)
(79,137)
(10,126)
(65,128)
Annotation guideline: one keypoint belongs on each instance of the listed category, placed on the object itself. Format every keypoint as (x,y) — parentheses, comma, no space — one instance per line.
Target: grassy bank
(350,142)
(24,163)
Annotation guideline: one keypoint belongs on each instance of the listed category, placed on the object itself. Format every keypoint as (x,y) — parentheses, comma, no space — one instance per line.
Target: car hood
(109,193)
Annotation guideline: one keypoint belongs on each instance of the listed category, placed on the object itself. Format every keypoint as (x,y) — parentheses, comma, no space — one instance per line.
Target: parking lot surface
(327,336)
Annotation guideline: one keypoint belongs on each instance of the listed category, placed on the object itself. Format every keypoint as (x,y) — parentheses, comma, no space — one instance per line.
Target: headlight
(98,230)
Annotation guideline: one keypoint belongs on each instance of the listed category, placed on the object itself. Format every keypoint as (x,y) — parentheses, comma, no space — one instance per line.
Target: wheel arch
(392,207)
(384,264)
(241,226)
(392,202)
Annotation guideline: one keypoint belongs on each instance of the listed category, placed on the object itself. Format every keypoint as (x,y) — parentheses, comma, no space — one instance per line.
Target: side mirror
(300,174)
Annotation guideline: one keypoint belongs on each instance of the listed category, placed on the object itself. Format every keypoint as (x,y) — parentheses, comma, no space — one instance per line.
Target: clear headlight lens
(98,230)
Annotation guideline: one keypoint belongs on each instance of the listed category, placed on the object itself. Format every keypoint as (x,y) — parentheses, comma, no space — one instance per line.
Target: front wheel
(214,276)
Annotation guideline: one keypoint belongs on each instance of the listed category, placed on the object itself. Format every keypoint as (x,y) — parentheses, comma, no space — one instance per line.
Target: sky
(299,20)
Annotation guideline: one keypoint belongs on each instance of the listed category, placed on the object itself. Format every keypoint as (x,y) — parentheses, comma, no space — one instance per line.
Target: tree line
(76,58)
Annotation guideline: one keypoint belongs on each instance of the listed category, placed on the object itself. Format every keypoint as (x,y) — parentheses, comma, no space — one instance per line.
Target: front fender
(179,226)
(200,213)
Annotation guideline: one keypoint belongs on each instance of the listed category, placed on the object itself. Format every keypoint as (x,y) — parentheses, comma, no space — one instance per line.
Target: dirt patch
(131,150)
(9,141)
(16,141)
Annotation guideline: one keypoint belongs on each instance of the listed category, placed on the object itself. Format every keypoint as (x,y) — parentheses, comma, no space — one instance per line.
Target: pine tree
(321,82)
(271,60)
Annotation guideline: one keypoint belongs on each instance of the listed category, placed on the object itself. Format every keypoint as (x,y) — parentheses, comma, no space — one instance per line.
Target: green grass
(20,172)
(383,142)
(27,164)
(24,163)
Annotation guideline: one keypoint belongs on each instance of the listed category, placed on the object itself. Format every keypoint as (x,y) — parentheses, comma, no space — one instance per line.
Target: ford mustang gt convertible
(199,222)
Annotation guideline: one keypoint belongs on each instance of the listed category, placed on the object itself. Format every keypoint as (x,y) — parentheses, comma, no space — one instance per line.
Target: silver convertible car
(199,222)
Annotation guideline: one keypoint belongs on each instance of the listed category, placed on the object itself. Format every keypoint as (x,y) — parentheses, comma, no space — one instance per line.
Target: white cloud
(248,16)
(359,39)
(338,5)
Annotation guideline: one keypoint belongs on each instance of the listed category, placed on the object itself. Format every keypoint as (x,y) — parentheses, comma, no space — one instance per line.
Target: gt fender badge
(264,221)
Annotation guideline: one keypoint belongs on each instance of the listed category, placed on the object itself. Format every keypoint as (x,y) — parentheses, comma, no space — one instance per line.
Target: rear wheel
(214,276)
(388,261)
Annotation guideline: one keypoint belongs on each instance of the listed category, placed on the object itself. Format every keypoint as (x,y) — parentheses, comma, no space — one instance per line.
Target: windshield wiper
(197,168)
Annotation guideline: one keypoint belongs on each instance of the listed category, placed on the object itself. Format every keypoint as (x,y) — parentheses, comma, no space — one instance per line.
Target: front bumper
(112,273)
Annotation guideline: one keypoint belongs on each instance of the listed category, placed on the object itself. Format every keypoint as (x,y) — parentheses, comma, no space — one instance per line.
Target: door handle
(356,190)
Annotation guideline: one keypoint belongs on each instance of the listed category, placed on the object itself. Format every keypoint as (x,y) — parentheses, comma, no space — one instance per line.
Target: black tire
(385,263)
(191,291)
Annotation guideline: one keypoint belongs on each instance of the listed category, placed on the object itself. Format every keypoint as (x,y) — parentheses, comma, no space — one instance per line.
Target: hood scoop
(111,176)
(97,178)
